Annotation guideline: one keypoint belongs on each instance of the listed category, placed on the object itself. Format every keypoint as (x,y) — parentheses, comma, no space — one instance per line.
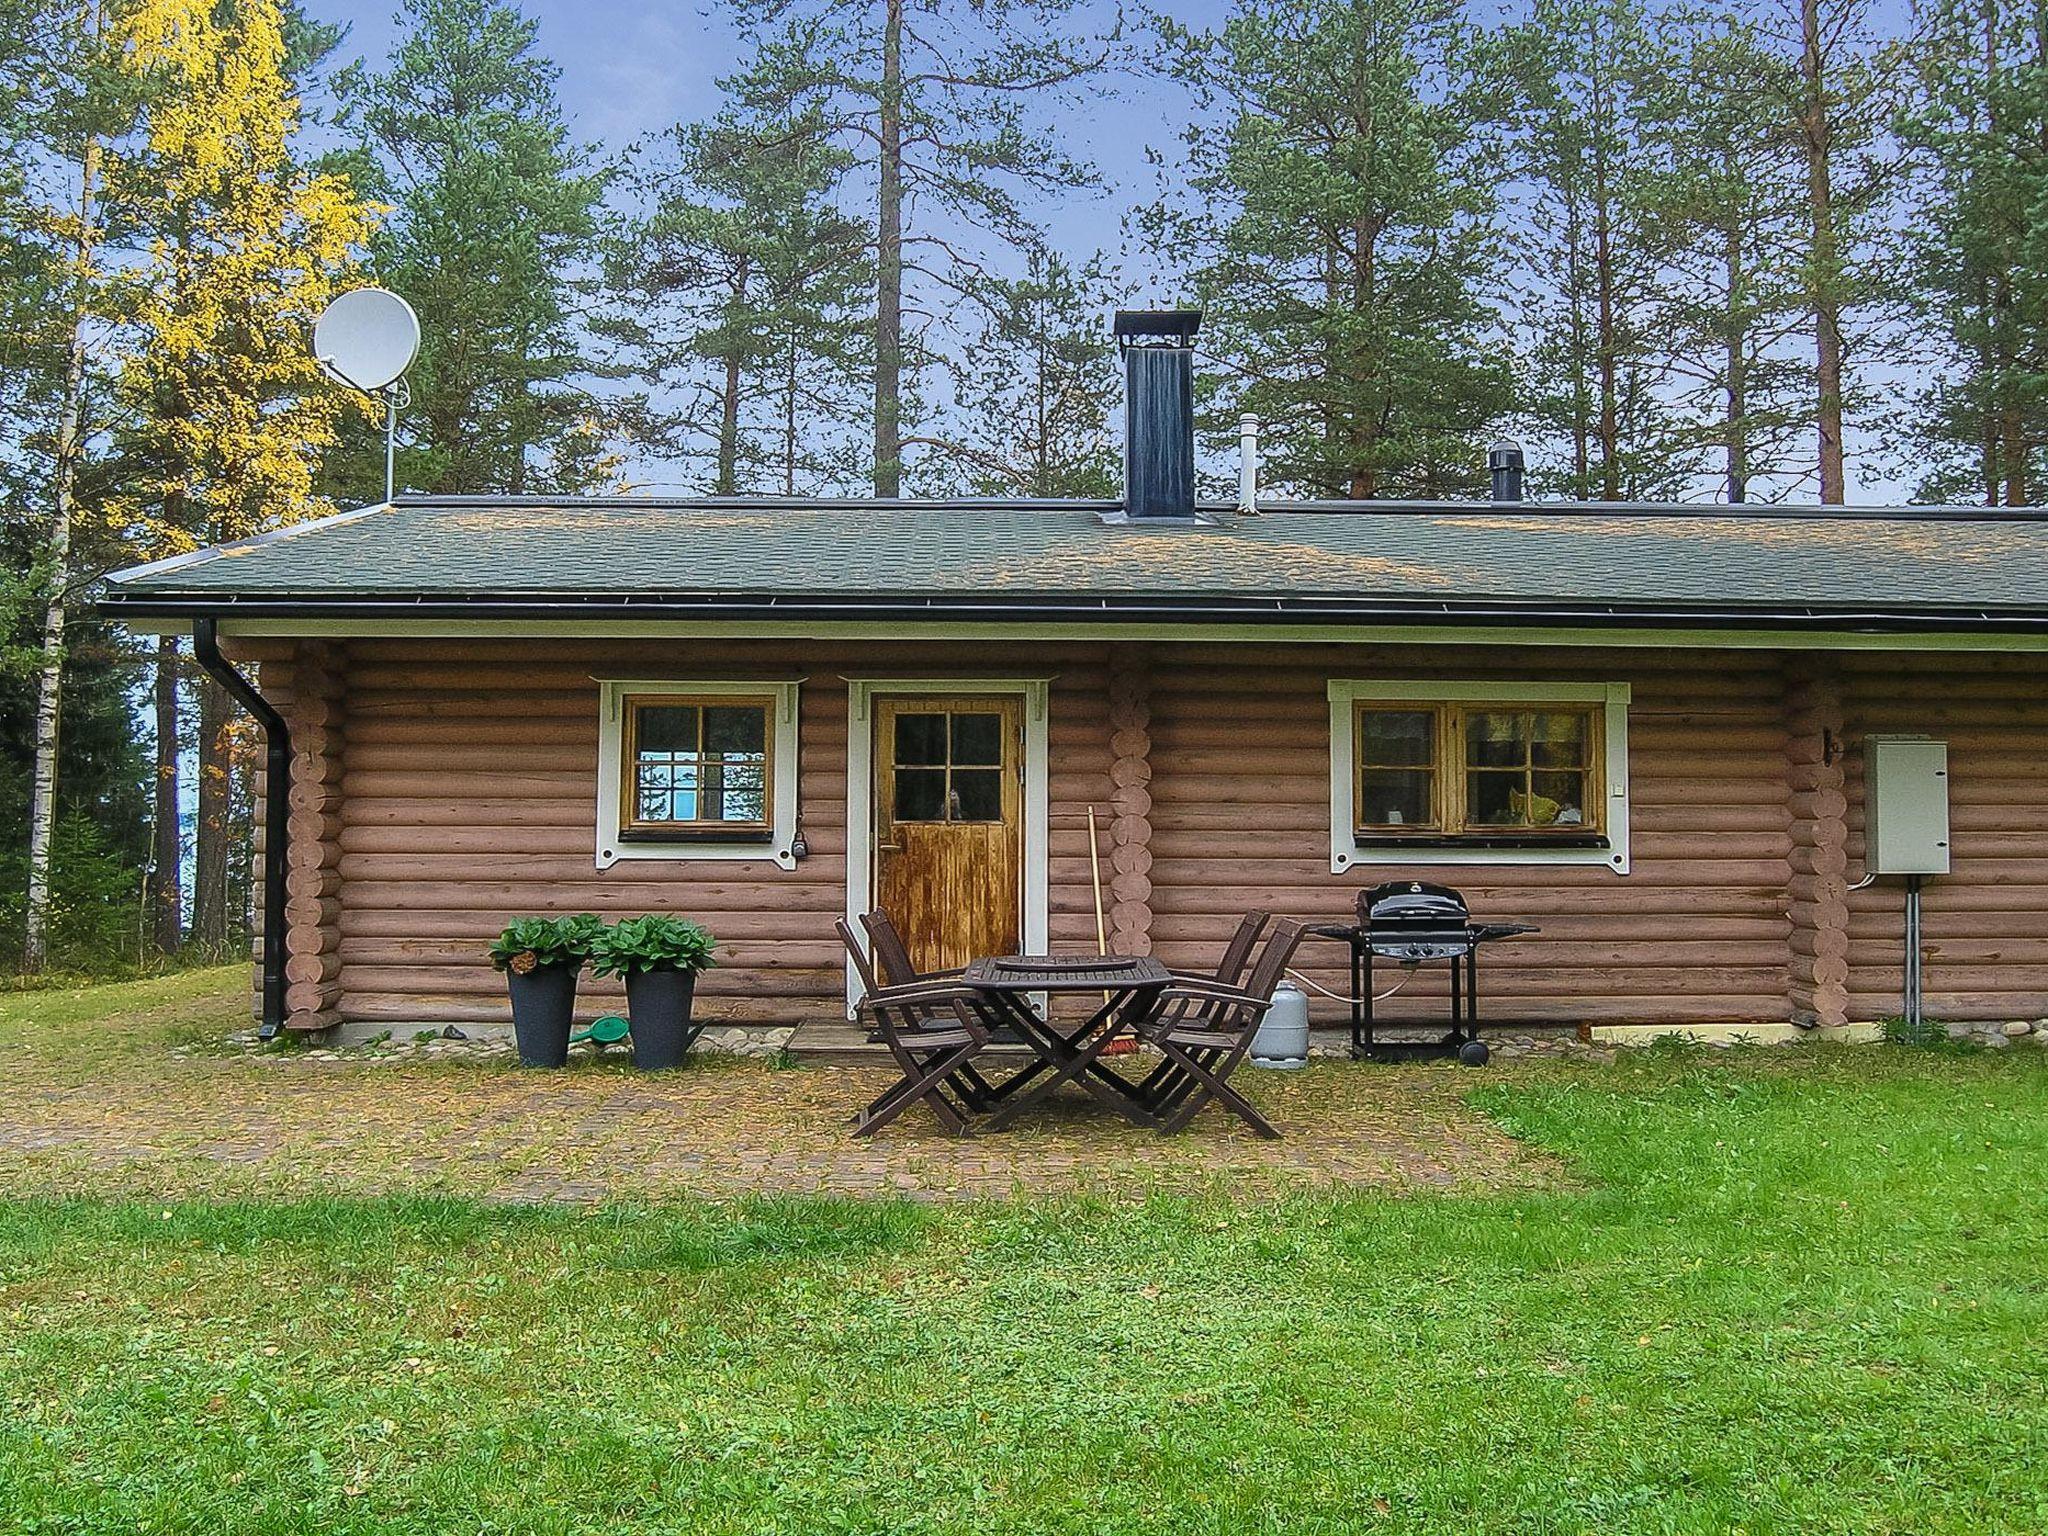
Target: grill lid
(1412,904)
(1411,920)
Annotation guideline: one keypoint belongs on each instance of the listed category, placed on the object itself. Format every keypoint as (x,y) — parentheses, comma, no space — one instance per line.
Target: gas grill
(1409,922)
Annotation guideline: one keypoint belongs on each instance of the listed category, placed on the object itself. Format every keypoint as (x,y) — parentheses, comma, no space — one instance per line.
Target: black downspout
(277,783)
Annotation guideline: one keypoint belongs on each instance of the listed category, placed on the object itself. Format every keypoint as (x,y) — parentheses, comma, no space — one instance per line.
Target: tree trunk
(1364,444)
(729,431)
(789,383)
(165,889)
(1607,359)
(42,820)
(1575,284)
(729,400)
(1826,282)
(889,265)
(212,834)
(1736,343)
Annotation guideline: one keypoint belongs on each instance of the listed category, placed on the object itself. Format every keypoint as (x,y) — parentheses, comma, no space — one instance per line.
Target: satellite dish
(367,338)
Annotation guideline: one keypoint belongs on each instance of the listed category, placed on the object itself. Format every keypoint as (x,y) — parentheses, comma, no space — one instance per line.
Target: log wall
(470,797)
(467,796)
(1985,924)
(1696,933)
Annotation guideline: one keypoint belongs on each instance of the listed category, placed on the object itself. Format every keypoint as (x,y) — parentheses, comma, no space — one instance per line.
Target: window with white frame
(1433,772)
(696,770)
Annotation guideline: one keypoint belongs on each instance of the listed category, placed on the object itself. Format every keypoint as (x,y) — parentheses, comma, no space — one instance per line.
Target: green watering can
(609,1030)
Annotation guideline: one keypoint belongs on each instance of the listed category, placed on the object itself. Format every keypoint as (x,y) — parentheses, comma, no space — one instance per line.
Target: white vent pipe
(1247,466)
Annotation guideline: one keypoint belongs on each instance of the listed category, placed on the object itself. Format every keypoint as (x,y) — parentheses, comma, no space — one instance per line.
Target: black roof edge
(1759,511)
(1054,608)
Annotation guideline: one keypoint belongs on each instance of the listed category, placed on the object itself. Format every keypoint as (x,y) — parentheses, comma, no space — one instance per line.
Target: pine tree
(1338,233)
(1038,390)
(1594,248)
(742,286)
(245,248)
(1839,93)
(1979,120)
(493,217)
(953,109)
(1727,188)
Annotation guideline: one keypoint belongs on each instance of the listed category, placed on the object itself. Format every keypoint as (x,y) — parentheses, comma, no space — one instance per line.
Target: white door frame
(860,789)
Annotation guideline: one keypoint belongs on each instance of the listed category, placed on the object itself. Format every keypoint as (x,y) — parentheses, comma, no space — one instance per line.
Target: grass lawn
(1772,1291)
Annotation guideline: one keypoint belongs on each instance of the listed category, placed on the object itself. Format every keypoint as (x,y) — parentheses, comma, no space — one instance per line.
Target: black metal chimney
(1159,412)
(1504,463)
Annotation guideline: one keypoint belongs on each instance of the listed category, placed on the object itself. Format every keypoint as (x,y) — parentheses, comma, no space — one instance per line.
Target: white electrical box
(1905,806)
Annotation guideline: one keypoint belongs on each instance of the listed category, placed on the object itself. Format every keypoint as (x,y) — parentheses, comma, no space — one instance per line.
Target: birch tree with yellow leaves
(63,101)
(230,415)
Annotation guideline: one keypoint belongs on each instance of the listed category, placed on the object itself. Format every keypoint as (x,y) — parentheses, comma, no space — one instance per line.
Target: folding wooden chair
(892,958)
(933,1030)
(892,955)
(1204,1028)
(1229,967)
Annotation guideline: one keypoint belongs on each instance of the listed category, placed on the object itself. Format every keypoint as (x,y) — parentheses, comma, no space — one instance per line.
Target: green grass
(1789,1291)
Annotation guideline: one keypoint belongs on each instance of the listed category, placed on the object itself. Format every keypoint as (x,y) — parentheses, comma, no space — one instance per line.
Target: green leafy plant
(654,942)
(531,942)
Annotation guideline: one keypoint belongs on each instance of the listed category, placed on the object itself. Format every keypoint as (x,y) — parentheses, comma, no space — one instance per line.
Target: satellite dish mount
(366,339)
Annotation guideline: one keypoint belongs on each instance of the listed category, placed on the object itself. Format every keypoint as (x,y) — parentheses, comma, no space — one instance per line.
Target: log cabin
(1648,729)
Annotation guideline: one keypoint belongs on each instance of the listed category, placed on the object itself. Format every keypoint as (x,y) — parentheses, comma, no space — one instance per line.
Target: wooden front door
(948,778)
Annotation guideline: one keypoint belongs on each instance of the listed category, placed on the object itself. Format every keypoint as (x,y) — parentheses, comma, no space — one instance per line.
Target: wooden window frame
(621,836)
(635,827)
(1450,768)
(1601,837)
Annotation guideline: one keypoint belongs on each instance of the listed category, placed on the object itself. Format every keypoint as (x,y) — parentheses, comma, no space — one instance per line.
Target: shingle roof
(1310,559)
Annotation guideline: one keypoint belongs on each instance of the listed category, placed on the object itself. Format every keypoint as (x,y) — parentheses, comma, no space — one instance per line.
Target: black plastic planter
(658,1003)
(543,1007)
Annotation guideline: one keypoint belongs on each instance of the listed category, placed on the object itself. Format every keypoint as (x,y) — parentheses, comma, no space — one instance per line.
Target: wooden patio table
(1129,985)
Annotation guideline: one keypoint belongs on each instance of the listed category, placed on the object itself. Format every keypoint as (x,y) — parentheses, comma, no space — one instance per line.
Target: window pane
(1495,799)
(921,739)
(735,728)
(977,794)
(977,739)
(1557,799)
(1398,738)
(1560,741)
(734,791)
(1496,738)
(665,787)
(920,794)
(667,728)
(1396,797)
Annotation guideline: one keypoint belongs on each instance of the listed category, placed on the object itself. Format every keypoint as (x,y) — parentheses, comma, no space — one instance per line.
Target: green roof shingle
(1522,554)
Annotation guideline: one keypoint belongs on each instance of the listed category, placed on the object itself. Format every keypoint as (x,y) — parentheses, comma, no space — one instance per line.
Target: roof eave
(1133,608)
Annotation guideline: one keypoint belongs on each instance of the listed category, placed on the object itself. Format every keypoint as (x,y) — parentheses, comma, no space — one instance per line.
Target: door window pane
(921,740)
(977,740)
(920,794)
(977,794)
(949,765)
